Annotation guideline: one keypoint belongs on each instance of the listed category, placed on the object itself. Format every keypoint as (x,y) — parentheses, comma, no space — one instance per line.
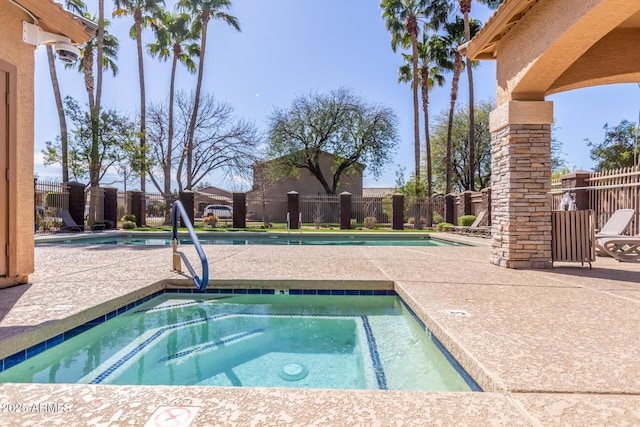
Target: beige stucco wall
(19,56)
(306,183)
(553,36)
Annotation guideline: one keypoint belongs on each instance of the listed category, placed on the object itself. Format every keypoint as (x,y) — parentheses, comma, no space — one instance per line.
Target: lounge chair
(474,228)
(622,248)
(614,227)
(71,225)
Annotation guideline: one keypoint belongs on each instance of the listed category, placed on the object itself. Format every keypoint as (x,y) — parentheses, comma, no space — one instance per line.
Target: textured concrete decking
(554,347)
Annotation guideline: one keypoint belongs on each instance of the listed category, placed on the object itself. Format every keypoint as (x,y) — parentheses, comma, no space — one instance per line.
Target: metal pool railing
(178,212)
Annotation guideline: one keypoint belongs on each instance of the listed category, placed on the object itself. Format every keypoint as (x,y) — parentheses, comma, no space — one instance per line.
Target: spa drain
(293,372)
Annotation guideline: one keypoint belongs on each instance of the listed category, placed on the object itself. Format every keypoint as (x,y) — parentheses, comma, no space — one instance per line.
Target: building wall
(17,58)
(305,182)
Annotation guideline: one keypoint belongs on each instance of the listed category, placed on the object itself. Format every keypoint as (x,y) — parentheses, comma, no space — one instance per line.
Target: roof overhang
(52,17)
(484,45)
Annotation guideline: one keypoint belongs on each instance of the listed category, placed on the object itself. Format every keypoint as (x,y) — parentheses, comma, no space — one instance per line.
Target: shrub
(437,218)
(370,222)
(131,218)
(442,226)
(466,220)
(353,224)
(128,225)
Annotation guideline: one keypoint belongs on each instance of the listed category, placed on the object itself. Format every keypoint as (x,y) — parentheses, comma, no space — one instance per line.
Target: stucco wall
(19,56)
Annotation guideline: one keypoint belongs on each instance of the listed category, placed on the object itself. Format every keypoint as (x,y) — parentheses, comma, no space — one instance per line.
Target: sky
(288,48)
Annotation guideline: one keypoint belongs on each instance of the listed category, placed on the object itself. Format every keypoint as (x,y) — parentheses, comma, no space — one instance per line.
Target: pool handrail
(178,212)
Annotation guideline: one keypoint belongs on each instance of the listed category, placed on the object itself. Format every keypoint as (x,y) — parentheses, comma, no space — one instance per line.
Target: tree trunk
(472,124)
(64,139)
(94,168)
(196,105)
(143,105)
(457,69)
(167,160)
(424,78)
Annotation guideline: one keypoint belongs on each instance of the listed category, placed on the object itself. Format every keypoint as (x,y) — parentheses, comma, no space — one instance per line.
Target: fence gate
(4,165)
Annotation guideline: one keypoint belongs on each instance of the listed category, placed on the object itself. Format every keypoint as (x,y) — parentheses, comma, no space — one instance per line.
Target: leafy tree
(114,143)
(558,161)
(617,150)
(143,12)
(205,10)
(338,123)
(401,18)
(175,40)
(78,7)
(460,147)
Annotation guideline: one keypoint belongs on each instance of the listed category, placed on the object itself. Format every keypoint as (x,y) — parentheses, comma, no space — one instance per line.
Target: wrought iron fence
(607,192)
(49,198)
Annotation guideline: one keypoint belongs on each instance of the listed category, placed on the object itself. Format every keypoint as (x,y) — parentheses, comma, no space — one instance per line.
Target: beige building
(17,124)
(275,191)
(544,47)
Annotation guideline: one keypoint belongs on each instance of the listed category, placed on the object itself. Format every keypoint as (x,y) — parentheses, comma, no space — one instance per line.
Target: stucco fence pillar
(520,183)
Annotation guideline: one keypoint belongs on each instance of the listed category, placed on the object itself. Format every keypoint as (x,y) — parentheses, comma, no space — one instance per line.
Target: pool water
(345,342)
(263,239)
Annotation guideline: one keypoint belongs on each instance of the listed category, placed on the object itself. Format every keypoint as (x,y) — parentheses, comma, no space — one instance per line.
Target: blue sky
(291,47)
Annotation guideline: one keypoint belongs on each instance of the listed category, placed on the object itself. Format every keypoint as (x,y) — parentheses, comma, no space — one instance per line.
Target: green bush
(437,218)
(442,226)
(128,225)
(466,220)
(370,222)
(353,224)
(131,218)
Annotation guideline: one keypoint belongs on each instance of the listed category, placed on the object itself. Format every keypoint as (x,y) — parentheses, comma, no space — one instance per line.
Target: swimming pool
(319,341)
(291,239)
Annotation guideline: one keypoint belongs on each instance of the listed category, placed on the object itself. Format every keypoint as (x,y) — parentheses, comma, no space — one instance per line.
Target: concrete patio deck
(553,347)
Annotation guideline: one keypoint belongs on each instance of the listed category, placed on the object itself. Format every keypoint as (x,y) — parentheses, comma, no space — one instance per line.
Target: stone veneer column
(520,182)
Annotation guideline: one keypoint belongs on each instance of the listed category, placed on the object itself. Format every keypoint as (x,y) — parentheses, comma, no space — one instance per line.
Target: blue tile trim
(211,345)
(111,369)
(466,377)
(375,357)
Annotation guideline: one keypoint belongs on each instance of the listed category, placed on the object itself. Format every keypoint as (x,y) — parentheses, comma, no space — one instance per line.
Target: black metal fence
(315,210)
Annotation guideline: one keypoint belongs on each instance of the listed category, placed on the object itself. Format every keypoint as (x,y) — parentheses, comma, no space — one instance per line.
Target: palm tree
(433,61)
(105,47)
(454,38)
(173,39)
(205,10)
(142,12)
(401,19)
(76,6)
(465,8)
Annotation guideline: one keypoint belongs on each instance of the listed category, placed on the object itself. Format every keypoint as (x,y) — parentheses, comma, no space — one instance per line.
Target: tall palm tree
(105,48)
(401,17)
(175,40)
(78,7)
(142,12)
(205,10)
(465,8)
(454,38)
(433,61)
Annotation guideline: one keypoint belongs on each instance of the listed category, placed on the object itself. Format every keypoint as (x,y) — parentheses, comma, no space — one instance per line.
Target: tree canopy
(339,123)
(617,150)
